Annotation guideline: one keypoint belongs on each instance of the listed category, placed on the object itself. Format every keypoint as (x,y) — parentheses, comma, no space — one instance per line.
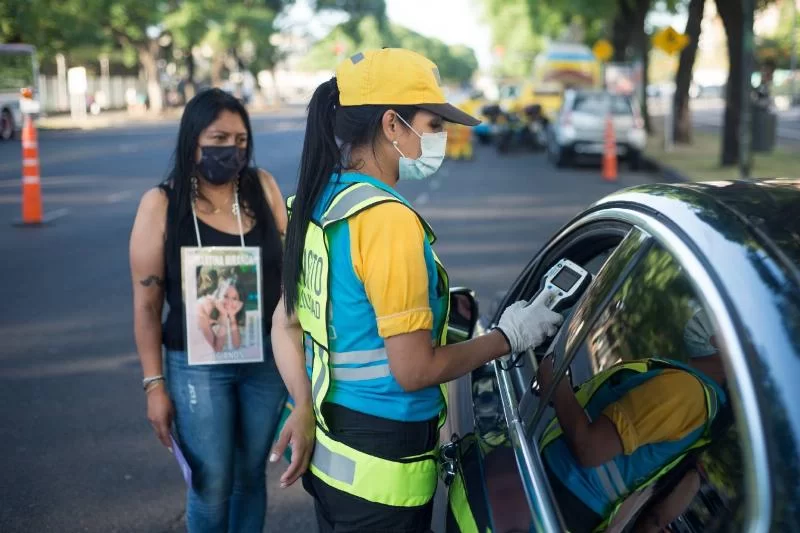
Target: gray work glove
(527,326)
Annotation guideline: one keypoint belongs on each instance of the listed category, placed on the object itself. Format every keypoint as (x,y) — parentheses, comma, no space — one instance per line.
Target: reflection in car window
(649,440)
(655,302)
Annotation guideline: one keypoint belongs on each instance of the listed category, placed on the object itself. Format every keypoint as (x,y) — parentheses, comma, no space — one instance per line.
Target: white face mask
(433,149)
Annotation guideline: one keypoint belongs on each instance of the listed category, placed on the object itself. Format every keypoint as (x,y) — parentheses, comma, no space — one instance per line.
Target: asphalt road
(76,453)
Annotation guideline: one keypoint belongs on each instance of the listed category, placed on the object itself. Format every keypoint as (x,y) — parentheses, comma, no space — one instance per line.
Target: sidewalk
(124,118)
(107,119)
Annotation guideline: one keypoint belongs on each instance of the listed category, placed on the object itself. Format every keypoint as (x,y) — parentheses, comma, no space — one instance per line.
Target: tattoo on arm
(152,280)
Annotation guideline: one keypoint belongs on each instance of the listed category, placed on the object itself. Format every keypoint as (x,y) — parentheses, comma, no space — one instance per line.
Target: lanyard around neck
(236,210)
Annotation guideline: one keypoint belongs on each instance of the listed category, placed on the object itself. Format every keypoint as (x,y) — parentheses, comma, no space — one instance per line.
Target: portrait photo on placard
(222,295)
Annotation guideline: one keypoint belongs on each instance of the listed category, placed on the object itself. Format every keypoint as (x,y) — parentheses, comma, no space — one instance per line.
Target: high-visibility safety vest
(410,481)
(610,473)
(467,509)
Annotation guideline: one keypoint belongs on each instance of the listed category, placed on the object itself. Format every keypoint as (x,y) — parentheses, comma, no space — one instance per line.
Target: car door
(503,494)
(638,306)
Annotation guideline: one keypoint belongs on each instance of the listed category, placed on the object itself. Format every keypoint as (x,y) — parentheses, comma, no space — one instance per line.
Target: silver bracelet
(152,379)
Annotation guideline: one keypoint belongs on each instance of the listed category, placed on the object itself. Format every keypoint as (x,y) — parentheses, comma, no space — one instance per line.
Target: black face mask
(221,164)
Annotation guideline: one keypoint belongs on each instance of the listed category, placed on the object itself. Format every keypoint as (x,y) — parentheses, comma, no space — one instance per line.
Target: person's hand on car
(544,375)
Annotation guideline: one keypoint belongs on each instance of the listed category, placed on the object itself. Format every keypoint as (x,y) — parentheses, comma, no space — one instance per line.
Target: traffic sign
(603,50)
(670,41)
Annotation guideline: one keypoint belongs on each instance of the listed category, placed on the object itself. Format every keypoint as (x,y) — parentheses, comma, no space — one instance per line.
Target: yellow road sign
(670,41)
(603,50)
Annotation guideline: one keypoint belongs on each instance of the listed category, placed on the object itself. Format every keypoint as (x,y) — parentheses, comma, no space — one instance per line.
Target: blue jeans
(225,418)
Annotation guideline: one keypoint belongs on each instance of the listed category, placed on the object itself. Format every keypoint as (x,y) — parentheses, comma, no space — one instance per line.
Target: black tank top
(264,234)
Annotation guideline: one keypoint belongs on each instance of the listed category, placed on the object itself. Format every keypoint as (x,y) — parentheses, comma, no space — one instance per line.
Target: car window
(657,377)
(596,104)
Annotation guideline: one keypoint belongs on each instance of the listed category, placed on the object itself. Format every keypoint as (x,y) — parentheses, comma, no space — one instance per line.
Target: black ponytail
(321,158)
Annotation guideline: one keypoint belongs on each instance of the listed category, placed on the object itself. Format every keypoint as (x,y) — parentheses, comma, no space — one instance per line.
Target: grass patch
(699,161)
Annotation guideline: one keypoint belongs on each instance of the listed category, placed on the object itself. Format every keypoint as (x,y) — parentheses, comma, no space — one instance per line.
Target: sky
(452,21)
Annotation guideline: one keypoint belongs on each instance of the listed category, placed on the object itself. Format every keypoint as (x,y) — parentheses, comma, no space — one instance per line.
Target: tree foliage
(778,46)
(67,24)
(456,63)
(520,29)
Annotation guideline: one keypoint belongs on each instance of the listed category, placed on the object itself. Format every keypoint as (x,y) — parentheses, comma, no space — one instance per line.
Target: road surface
(76,452)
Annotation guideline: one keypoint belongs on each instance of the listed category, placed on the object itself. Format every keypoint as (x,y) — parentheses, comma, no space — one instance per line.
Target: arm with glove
(416,364)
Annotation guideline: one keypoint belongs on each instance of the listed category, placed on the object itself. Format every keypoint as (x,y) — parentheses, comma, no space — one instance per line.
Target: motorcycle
(528,132)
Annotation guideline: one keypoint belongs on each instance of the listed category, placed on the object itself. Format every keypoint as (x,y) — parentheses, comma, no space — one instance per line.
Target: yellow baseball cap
(396,76)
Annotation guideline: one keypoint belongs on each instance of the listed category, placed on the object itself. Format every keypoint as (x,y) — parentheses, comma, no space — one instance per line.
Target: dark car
(656,252)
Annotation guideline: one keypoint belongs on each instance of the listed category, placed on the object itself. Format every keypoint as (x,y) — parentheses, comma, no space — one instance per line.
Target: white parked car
(580,126)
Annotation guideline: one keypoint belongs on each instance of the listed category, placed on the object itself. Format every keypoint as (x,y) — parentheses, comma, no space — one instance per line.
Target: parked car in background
(19,70)
(579,128)
(656,253)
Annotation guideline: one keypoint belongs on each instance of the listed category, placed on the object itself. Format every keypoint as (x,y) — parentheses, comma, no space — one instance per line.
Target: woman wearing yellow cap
(359,337)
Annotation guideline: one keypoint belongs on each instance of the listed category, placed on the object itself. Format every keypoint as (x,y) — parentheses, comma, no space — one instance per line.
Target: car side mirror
(463,315)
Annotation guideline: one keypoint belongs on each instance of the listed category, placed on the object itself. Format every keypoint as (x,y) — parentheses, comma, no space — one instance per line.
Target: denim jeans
(225,419)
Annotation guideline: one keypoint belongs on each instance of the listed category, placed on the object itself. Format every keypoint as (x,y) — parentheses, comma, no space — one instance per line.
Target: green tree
(65,26)
(59,25)
(134,25)
(188,24)
(732,16)
(357,10)
(456,63)
(778,46)
(683,78)
(520,29)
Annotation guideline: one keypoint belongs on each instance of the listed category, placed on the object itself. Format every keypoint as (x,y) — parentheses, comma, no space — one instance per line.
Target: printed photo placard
(222,299)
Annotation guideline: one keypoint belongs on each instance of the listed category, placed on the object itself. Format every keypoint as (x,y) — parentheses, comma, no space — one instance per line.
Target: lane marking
(119,196)
(61,181)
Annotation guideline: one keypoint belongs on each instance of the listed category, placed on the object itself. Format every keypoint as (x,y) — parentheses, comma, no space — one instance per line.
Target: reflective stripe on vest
(352,200)
(409,482)
(610,477)
(459,506)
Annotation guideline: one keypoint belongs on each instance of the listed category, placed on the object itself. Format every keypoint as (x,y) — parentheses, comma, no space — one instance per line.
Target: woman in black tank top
(223,415)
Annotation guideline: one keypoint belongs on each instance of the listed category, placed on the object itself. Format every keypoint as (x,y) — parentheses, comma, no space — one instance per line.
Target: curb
(667,173)
(105,123)
(120,119)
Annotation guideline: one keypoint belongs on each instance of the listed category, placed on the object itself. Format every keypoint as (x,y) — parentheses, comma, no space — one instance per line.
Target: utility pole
(745,127)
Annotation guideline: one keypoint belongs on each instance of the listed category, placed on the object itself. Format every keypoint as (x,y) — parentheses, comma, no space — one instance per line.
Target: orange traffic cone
(610,152)
(31,182)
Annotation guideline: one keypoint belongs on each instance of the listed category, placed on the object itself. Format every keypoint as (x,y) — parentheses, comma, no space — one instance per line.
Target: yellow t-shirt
(388,255)
(666,407)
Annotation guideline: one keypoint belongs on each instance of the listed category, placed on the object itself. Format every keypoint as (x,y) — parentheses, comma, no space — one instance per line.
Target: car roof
(769,209)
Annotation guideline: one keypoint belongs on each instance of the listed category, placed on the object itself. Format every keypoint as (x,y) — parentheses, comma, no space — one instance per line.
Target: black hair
(323,156)
(199,114)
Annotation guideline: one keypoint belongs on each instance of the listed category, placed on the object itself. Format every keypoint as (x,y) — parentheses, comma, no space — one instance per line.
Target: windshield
(16,71)
(595,103)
